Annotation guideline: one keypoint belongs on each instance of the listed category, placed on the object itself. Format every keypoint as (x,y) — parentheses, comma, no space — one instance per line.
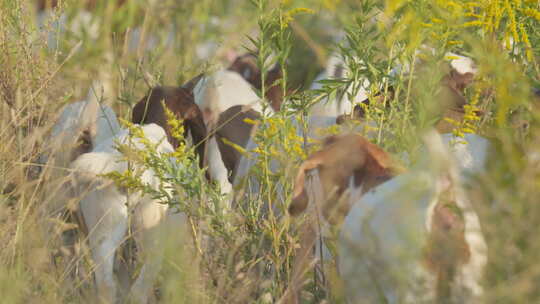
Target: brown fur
(231,126)
(446,247)
(180,101)
(340,158)
(84,144)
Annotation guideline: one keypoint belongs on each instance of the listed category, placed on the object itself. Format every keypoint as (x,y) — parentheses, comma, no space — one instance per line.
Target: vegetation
(245,255)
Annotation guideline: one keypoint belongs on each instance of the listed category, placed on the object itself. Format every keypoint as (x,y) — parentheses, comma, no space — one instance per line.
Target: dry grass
(247,258)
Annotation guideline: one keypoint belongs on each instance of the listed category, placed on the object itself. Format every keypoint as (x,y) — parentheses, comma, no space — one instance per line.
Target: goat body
(105,209)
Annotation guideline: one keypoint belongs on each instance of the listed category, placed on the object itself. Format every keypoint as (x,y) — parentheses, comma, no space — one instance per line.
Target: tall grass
(245,256)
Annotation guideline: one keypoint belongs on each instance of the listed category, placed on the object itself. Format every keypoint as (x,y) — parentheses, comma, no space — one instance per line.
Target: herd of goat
(349,182)
(405,235)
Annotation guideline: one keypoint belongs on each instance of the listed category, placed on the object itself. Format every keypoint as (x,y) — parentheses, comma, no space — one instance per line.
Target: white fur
(470,153)
(76,117)
(216,167)
(214,94)
(105,210)
(462,64)
(221,90)
(384,233)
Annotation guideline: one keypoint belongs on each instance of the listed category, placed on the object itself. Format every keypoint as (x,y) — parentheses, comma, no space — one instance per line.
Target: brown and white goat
(407,238)
(214,94)
(180,102)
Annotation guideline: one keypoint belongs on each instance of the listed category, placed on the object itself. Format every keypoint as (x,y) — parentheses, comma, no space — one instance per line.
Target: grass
(249,257)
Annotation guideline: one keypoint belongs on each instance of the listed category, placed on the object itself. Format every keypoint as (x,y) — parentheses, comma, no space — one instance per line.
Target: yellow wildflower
(532,13)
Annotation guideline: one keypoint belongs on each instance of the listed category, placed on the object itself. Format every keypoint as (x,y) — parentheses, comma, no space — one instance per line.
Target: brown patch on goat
(179,101)
(84,144)
(246,66)
(451,95)
(340,158)
(446,249)
(232,127)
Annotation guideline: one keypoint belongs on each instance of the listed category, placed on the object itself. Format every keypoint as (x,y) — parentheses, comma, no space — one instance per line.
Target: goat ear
(376,164)
(300,198)
(379,156)
(190,85)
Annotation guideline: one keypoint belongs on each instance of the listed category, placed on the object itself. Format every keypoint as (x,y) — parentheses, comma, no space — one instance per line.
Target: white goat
(105,209)
(79,126)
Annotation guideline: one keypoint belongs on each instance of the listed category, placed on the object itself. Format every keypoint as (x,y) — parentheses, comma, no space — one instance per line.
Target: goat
(449,99)
(106,208)
(433,250)
(458,74)
(340,158)
(79,126)
(427,252)
(180,102)
(214,94)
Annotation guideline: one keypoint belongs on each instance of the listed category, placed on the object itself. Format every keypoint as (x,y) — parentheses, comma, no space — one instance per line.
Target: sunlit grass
(246,256)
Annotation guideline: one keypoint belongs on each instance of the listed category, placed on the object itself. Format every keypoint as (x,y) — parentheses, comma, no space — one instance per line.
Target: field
(245,256)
